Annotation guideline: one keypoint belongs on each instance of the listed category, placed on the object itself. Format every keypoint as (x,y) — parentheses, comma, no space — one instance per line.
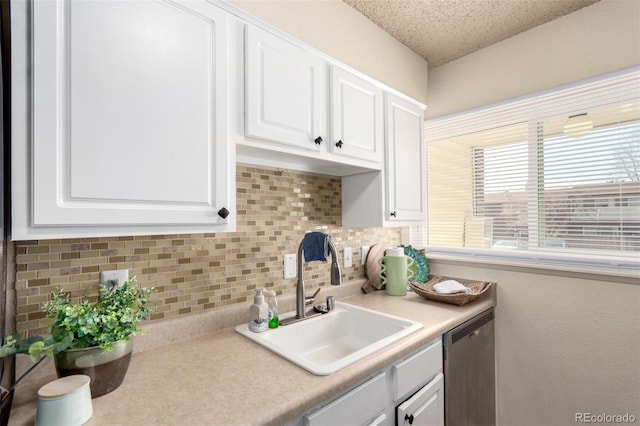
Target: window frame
(619,86)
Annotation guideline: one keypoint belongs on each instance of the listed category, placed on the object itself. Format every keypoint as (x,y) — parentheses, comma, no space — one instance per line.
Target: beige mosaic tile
(196,272)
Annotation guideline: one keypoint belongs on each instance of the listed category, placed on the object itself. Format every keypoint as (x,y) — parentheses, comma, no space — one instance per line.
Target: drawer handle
(318,140)
(408,418)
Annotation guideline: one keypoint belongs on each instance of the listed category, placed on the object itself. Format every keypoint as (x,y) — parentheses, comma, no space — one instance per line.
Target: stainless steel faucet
(336,278)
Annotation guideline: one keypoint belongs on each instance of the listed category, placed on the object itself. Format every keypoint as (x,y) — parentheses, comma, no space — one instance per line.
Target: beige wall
(565,344)
(595,40)
(336,29)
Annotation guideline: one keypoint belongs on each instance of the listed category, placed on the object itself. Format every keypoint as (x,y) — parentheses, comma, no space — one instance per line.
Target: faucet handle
(309,300)
(331,303)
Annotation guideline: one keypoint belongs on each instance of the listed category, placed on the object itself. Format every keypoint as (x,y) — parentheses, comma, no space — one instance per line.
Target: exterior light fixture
(578,125)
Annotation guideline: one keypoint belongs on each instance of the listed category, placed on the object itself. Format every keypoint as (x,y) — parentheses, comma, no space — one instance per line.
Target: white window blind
(517,182)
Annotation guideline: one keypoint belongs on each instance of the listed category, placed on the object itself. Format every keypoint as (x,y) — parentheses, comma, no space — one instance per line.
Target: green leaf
(36,349)
(7,350)
(91,322)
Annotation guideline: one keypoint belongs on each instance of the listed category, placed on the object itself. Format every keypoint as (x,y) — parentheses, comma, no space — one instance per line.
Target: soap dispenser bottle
(259,313)
(272,302)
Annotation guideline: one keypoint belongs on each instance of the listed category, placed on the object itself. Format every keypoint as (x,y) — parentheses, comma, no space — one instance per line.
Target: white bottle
(259,313)
(272,303)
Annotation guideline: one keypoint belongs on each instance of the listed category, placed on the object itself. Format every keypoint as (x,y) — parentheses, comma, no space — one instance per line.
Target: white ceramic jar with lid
(65,402)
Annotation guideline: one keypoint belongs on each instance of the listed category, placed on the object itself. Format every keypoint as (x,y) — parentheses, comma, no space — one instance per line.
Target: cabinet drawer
(426,407)
(418,369)
(359,406)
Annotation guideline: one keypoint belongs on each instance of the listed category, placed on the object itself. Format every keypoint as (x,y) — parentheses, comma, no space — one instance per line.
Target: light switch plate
(348,257)
(111,278)
(290,265)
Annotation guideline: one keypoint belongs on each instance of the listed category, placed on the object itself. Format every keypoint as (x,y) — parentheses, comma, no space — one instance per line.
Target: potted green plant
(91,337)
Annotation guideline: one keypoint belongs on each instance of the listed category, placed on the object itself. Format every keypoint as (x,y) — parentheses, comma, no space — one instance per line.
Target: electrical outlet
(290,265)
(364,251)
(348,257)
(114,278)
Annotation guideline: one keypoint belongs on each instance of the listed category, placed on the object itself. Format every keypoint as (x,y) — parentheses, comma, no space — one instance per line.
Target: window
(512,181)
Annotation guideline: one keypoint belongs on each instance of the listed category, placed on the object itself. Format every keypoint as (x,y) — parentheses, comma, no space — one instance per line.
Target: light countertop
(223,378)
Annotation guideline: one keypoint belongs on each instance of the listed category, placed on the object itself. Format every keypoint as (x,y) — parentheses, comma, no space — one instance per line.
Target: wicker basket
(478,288)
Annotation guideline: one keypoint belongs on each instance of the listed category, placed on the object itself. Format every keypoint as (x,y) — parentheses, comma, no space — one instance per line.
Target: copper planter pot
(106,369)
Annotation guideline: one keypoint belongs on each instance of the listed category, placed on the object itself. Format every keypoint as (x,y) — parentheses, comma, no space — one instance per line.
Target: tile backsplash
(194,272)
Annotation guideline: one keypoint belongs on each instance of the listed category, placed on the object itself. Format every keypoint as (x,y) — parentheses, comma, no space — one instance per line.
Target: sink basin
(327,343)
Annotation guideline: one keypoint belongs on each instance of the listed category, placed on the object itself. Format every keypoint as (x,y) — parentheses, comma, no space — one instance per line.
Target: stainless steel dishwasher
(469,372)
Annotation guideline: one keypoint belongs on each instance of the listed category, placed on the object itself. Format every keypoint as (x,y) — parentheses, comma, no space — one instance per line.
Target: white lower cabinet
(379,421)
(416,370)
(426,407)
(418,387)
(360,406)
(407,392)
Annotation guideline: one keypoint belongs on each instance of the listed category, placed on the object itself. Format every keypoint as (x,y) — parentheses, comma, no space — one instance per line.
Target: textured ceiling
(443,30)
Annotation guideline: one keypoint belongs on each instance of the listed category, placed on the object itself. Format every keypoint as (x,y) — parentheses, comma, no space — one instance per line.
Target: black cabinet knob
(339,144)
(318,140)
(223,213)
(408,418)
(392,214)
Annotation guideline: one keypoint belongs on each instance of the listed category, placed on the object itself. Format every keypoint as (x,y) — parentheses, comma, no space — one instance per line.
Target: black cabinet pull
(223,213)
(339,144)
(318,140)
(408,418)
(392,214)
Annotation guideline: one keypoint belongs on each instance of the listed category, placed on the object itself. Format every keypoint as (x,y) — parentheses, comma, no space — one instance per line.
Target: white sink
(327,343)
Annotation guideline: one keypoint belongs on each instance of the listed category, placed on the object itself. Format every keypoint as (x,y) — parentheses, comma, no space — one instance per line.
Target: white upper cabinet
(299,116)
(357,115)
(406,161)
(120,119)
(285,92)
(395,196)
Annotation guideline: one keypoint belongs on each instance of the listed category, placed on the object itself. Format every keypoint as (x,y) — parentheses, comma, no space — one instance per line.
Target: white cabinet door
(128,119)
(396,197)
(375,402)
(357,116)
(425,407)
(406,172)
(362,405)
(285,92)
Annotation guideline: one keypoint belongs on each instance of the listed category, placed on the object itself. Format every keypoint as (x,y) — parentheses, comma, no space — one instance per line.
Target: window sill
(607,269)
